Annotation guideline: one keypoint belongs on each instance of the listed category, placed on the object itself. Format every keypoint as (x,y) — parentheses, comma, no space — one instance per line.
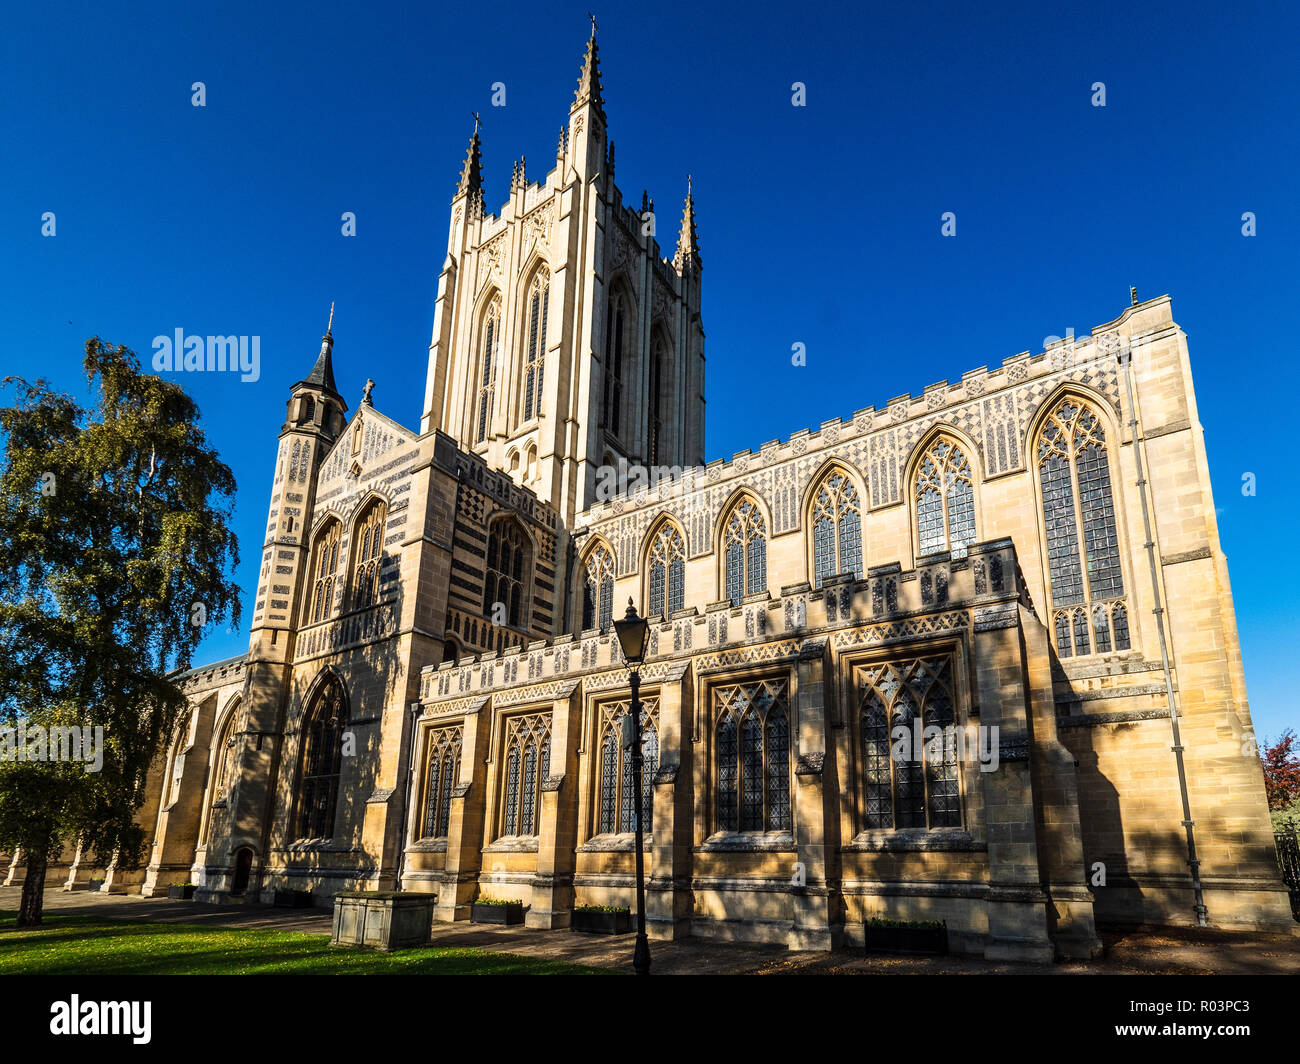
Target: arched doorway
(243,870)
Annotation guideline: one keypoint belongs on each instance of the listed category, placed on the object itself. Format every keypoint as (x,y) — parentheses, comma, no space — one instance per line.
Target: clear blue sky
(817,224)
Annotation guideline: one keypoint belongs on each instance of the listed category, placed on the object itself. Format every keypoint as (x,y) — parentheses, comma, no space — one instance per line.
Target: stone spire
(688,243)
(471,173)
(589,89)
(322,374)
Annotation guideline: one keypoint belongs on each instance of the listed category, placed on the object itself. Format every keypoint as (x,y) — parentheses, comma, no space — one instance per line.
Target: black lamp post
(632,632)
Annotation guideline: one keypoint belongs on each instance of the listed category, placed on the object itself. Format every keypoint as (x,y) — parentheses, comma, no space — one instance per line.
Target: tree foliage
(115,552)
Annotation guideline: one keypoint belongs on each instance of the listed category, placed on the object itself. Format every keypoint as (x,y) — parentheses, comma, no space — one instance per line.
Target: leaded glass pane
(929,520)
(431,799)
(512,791)
(751,773)
(1062,532)
(1120,618)
(757,564)
(656,589)
(778,770)
(909,782)
(676,584)
(606,602)
(851,544)
(941,762)
(529,789)
(878,784)
(1082,644)
(626,793)
(609,783)
(823,550)
(961,517)
(728,750)
(1063,647)
(735,571)
(649,767)
(1101,630)
(1100,540)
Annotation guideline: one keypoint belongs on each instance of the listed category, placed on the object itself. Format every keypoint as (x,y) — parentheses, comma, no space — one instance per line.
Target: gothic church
(431,696)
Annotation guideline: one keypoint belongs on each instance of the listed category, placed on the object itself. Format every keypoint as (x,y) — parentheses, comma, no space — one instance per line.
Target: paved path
(1148,951)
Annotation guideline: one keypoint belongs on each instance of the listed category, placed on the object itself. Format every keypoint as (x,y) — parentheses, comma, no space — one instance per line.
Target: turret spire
(589,88)
(688,243)
(471,172)
(322,374)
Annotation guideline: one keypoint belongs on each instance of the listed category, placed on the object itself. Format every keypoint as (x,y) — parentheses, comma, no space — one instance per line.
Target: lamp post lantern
(632,632)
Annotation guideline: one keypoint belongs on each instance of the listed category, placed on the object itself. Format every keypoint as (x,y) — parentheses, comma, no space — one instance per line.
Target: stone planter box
(497,914)
(601,923)
(183,892)
(928,941)
(382,919)
(292,899)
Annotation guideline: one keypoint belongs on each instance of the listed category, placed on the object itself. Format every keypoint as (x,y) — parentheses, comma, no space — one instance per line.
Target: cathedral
(970,656)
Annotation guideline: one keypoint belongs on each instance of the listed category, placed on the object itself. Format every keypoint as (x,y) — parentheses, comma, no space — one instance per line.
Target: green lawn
(87,945)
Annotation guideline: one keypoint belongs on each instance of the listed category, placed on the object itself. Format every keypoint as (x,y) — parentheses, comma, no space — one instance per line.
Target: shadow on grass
(84,945)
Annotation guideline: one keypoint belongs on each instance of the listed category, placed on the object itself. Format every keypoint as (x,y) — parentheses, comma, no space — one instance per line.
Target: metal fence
(1288,859)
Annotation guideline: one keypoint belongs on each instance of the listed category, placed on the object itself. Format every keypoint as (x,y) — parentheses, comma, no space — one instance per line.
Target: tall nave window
(667,579)
(488,343)
(746,552)
(322,762)
(1089,615)
(837,529)
(616,327)
(598,590)
(535,354)
(753,756)
(945,500)
(507,577)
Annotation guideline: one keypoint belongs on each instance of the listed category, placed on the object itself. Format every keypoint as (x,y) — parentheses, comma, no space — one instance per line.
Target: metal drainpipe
(415,709)
(1202,914)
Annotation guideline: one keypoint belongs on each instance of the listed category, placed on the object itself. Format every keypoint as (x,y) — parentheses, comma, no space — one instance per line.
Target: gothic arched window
(598,590)
(489,342)
(442,773)
(617,345)
(1087,585)
(535,349)
(617,805)
(369,537)
(752,725)
(920,789)
(836,529)
(667,572)
(322,762)
(324,569)
(527,764)
(745,540)
(225,757)
(945,500)
(508,576)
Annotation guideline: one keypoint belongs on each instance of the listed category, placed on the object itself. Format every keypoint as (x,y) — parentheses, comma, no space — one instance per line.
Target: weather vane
(329,329)
(593,23)
(476,120)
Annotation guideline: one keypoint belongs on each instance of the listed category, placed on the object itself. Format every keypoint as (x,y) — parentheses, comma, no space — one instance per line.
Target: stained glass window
(617,802)
(598,589)
(837,529)
(945,500)
(667,577)
(910,777)
(325,565)
(322,756)
(527,764)
(1083,563)
(443,770)
(753,756)
(369,536)
(745,552)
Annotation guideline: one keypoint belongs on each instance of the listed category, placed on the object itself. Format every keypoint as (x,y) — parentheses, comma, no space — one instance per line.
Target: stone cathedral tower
(562,340)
